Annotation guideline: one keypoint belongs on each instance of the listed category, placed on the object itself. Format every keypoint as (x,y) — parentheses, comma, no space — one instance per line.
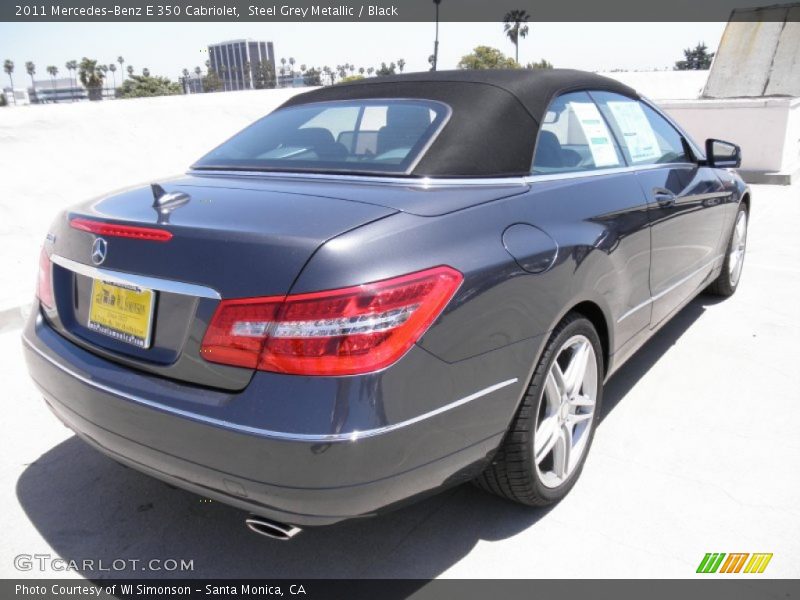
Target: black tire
(512,473)
(722,285)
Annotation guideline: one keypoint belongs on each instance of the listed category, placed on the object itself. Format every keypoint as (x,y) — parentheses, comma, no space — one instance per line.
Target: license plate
(122,312)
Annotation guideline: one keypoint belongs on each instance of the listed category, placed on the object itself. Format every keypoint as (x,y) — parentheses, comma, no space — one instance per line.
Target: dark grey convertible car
(382,289)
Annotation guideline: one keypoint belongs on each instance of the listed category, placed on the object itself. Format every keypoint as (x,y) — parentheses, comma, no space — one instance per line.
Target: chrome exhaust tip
(271,529)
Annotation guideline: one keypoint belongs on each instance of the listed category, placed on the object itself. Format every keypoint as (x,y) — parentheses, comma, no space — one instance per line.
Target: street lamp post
(436,39)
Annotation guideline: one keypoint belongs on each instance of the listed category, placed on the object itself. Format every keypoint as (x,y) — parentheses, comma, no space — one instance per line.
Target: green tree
(386,70)
(185,81)
(52,70)
(211,82)
(695,59)
(401,64)
(263,75)
(8,67)
(542,64)
(142,86)
(113,68)
(72,66)
(91,76)
(351,78)
(104,69)
(515,24)
(30,68)
(312,76)
(486,57)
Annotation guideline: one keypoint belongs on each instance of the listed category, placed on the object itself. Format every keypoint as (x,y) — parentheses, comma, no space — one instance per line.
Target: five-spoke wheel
(547,444)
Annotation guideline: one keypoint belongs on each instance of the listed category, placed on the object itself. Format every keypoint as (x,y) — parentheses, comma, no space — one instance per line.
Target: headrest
(416,117)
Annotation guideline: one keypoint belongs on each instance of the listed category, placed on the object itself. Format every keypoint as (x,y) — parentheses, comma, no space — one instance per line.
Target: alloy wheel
(738,245)
(566,411)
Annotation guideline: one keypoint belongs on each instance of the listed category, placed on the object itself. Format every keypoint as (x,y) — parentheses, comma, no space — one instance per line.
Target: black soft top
(495,118)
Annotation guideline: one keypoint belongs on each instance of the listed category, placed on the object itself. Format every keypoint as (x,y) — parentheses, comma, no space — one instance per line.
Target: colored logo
(738,562)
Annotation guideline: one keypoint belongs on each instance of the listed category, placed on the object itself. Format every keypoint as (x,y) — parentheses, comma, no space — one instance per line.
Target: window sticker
(597,134)
(637,132)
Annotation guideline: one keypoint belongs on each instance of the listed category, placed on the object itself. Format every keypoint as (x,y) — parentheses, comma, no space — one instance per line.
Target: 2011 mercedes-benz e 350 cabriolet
(382,289)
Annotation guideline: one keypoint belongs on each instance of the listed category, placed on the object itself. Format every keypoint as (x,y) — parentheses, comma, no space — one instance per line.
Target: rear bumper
(306,478)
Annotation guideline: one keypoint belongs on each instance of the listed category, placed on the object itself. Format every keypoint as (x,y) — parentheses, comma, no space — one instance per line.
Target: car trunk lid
(225,243)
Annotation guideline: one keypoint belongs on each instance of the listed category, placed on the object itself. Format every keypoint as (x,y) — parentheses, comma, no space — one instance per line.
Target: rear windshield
(354,136)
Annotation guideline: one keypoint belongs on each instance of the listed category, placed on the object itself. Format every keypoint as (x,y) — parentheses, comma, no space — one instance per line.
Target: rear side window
(574,136)
(360,136)
(646,137)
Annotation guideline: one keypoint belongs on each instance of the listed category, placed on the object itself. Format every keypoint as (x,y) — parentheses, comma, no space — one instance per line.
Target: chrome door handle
(664,197)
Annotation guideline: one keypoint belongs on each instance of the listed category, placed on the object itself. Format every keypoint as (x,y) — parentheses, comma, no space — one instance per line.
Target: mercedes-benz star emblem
(99,251)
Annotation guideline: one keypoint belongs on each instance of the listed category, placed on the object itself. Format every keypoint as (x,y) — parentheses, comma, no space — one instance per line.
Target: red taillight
(338,332)
(44,283)
(127,231)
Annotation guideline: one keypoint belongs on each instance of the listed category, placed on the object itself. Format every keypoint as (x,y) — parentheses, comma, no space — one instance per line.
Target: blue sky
(167,48)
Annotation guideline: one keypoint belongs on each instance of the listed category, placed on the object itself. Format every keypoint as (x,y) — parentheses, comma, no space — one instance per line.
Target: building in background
(237,62)
(61,89)
(290,78)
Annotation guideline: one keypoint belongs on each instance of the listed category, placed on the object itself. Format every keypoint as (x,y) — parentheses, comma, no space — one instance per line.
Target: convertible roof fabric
(495,119)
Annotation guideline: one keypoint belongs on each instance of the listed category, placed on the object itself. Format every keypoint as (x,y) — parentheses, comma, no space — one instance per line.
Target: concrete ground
(698,452)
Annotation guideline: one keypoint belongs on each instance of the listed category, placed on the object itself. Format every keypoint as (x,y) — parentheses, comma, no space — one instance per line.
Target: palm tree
(8,67)
(223,72)
(113,68)
(291,63)
(72,66)
(303,68)
(401,64)
(516,27)
(129,69)
(145,72)
(91,76)
(104,70)
(283,68)
(53,71)
(198,71)
(370,71)
(361,71)
(121,62)
(31,69)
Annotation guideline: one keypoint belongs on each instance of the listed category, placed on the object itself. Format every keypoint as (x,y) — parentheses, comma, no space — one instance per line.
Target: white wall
(663,85)
(767,129)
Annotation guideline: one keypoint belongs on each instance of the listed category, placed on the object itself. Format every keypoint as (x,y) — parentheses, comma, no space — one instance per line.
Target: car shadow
(89,507)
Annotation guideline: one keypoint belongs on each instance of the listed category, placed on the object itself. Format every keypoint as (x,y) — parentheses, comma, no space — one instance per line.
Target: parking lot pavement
(697,452)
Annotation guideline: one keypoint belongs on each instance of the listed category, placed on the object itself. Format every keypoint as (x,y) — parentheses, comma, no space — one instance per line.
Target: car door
(684,200)
(583,190)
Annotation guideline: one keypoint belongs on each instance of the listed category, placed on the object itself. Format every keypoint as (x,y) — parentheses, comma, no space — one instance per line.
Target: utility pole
(436,40)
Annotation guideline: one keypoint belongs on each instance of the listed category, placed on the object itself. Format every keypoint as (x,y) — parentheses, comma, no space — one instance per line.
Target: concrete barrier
(767,129)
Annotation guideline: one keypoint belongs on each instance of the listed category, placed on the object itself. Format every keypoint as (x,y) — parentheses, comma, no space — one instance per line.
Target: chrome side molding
(677,284)
(267,433)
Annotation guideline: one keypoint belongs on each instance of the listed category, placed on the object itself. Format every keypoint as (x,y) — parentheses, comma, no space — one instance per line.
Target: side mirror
(723,154)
